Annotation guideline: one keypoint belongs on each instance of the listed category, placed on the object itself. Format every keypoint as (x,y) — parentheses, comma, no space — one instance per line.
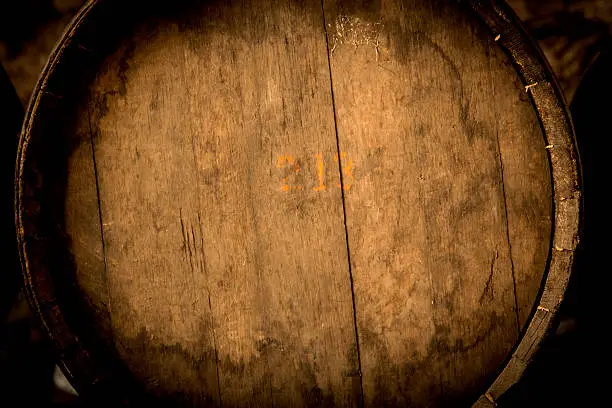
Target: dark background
(569,370)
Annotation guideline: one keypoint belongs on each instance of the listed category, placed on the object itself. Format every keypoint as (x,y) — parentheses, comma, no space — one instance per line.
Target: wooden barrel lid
(296,203)
(11,117)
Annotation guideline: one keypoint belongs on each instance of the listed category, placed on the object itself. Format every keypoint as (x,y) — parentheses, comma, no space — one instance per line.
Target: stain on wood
(287,204)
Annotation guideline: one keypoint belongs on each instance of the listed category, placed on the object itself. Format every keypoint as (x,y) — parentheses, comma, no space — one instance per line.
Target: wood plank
(423,118)
(527,187)
(223,229)
(83,224)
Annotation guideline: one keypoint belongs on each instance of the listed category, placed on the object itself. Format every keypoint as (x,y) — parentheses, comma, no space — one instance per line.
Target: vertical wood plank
(82,222)
(422,97)
(224,236)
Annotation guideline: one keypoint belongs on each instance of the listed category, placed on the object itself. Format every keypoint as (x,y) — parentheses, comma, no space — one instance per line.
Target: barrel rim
(71,355)
(557,127)
(553,114)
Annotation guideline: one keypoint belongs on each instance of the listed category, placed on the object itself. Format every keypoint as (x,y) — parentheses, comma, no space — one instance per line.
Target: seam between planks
(348,250)
(95,168)
(503,188)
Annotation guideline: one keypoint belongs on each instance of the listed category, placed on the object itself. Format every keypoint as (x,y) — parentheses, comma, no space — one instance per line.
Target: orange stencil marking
(347,170)
(320,172)
(284,186)
(285,161)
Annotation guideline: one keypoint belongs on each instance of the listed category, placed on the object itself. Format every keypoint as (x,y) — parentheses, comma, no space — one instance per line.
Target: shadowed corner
(11,116)
(563,372)
(26,359)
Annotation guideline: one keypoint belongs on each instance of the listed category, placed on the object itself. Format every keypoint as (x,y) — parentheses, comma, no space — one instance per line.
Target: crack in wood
(342,189)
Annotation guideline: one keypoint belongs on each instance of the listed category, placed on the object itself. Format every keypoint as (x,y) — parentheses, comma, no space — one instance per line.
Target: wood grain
(291,204)
(567,195)
(452,199)
(226,265)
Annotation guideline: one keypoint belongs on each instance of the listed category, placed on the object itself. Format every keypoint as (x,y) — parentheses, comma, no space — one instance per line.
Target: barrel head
(293,203)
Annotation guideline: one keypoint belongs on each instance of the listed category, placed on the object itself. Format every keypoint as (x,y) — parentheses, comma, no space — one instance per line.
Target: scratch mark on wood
(505,202)
(185,243)
(212,318)
(488,290)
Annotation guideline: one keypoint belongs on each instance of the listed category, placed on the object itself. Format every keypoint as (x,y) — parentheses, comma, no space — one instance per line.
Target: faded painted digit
(284,161)
(347,170)
(320,172)
(287,160)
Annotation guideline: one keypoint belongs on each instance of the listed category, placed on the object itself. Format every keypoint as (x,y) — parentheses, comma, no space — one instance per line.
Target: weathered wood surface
(11,117)
(450,218)
(205,145)
(567,194)
(290,204)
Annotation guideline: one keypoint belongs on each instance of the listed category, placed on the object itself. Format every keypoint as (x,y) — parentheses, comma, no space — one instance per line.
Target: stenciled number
(293,164)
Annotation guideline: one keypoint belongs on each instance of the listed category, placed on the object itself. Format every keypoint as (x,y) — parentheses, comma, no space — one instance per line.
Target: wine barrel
(11,117)
(288,203)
